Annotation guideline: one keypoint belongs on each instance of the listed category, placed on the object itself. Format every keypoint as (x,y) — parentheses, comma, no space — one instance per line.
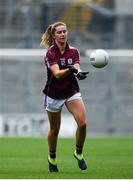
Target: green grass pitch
(26,158)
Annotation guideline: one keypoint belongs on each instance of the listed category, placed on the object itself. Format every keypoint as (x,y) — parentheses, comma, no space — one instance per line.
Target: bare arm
(77,66)
(58,73)
(64,72)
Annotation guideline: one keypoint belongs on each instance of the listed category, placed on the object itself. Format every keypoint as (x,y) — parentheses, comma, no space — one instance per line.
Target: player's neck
(61,46)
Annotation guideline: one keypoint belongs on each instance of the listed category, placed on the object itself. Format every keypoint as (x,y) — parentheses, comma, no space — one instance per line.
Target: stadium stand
(92,24)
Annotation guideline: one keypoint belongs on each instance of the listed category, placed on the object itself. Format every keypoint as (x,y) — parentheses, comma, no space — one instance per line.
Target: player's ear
(53,36)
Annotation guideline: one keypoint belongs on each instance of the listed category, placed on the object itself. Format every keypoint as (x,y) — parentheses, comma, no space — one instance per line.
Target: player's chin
(63,40)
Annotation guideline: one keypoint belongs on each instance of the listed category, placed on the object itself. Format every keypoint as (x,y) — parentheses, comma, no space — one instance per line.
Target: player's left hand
(82,75)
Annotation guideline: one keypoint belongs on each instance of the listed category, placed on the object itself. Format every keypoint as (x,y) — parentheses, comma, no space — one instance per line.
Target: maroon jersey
(64,87)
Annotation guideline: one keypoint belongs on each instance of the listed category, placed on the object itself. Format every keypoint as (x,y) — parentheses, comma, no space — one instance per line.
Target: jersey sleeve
(77,57)
(50,59)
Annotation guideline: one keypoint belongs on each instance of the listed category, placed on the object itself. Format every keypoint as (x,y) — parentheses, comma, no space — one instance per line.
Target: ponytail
(47,38)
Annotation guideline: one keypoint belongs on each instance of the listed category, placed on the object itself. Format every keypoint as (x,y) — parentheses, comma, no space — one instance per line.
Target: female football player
(63,69)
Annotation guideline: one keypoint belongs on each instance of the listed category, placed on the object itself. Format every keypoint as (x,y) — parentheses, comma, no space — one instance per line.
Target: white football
(99,58)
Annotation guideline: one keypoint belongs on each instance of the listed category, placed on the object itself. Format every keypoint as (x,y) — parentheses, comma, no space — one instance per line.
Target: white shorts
(54,105)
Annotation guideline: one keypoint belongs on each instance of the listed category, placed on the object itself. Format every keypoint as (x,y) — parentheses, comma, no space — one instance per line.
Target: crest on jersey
(69,61)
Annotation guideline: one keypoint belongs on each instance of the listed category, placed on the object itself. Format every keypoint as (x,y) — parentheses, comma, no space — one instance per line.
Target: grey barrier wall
(34,125)
(107,94)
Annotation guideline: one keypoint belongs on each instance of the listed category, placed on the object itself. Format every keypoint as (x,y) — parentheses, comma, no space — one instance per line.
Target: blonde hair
(47,38)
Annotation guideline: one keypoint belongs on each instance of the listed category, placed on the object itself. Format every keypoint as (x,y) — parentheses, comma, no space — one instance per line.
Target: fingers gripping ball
(99,58)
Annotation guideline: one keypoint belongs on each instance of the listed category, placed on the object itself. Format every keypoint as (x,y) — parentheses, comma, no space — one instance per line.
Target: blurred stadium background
(92,24)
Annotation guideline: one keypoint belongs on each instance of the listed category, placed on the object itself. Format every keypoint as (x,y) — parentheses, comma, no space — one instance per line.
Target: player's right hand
(82,75)
(72,69)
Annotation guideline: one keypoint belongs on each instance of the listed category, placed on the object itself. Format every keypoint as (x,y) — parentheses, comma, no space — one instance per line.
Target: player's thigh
(54,119)
(77,108)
